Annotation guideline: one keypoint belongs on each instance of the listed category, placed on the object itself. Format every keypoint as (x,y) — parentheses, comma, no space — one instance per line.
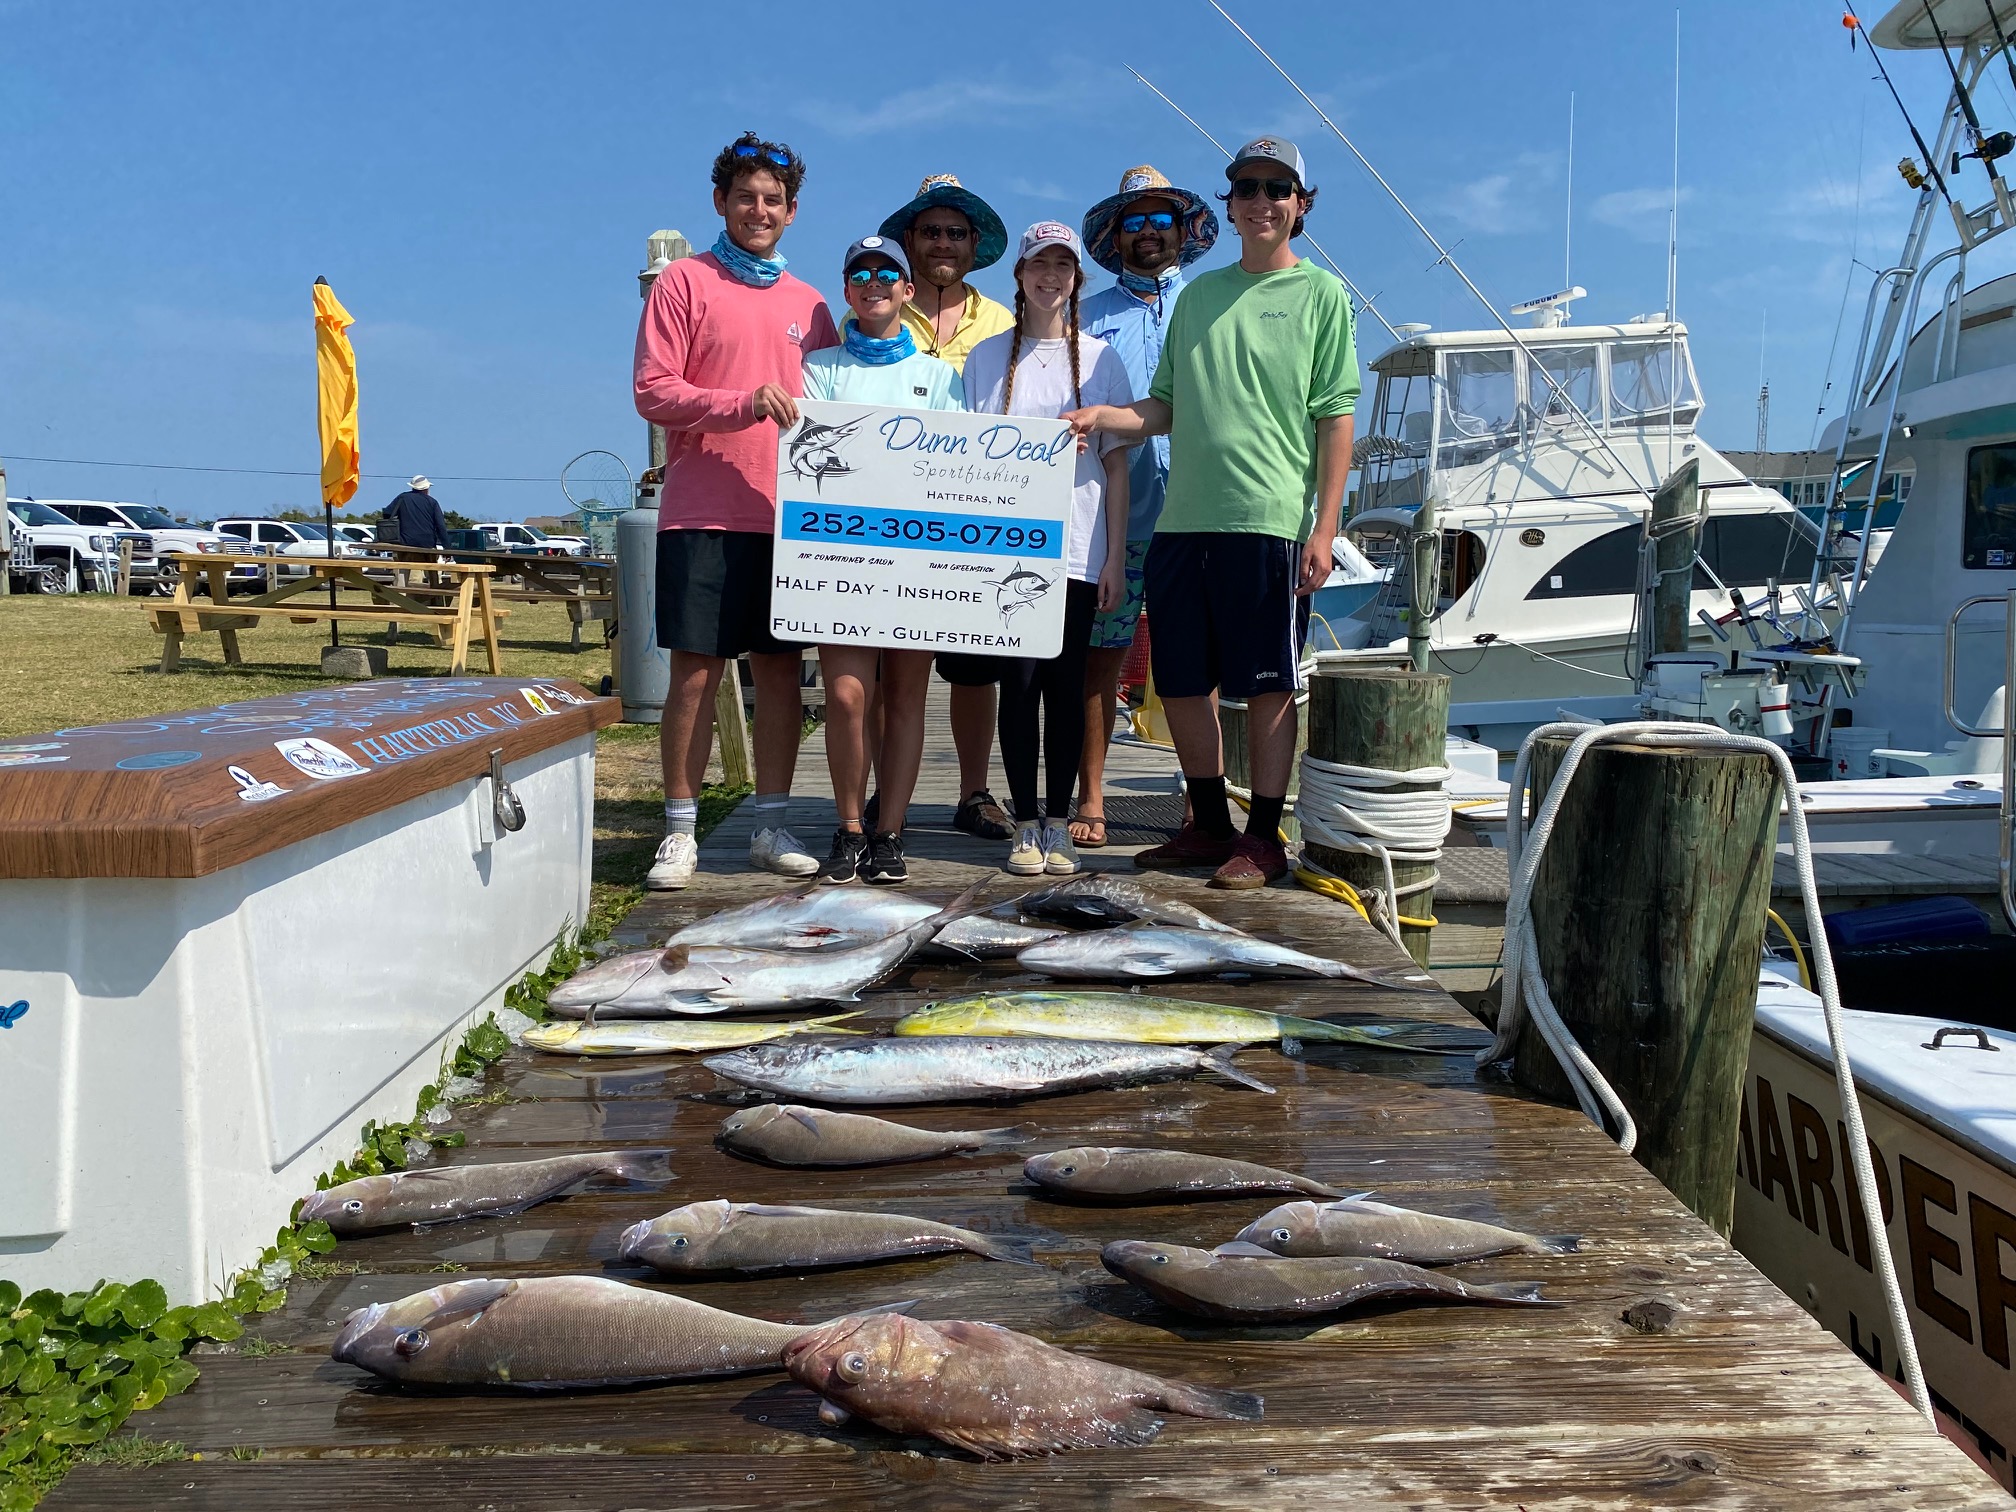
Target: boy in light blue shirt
(876,363)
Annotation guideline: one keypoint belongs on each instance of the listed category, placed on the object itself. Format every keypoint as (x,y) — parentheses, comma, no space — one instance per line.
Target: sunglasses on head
(1277,189)
(765,151)
(862,277)
(1161,220)
(954,234)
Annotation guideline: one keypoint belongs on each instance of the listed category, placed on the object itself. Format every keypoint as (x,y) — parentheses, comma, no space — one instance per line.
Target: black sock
(1263,817)
(1207,806)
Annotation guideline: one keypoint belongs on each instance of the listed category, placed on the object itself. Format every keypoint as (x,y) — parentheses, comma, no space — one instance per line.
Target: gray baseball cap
(876,246)
(1269,150)
(1051,233)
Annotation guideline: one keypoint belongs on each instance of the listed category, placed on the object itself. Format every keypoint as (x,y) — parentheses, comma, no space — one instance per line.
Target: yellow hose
(1798,955)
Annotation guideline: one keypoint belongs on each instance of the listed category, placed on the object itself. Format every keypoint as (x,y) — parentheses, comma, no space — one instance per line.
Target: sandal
(1082,831)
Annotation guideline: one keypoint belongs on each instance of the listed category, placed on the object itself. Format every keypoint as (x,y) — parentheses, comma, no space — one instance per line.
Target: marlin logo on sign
(13,1013)
(1019,589)
(815,451)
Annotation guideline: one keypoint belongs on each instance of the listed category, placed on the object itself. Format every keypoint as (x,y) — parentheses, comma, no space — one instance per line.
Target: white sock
(769,809)
(682,815)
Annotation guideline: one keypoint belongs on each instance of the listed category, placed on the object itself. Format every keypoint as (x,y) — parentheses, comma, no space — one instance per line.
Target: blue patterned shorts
(1115,631)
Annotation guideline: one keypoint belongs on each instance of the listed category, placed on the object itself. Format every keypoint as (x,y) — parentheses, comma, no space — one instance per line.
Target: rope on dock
(1363,809)
(1526,987)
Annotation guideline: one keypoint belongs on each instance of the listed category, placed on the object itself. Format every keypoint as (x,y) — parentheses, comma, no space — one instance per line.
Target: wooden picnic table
(586,585)
(471,612)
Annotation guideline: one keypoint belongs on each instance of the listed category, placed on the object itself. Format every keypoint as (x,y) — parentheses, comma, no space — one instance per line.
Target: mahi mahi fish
(699,979)
(1117,1171)
(1159,950)
(1238,1283)
(1102,899)
(989,1390)
(670,1036)
(444,1193)
(1360,1226)
(1145,1020)
(787,1135)
(954,1068)
(814,916)
(723,1236)
(553,1331)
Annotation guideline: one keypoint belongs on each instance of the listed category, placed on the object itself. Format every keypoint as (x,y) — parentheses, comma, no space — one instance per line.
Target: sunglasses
(862,277)
(953,234)
(764,150)
(1277,189)
(1161,220)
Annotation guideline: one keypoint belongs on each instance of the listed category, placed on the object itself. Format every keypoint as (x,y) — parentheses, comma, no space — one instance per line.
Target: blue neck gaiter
(746,267)
(1146,284)
(878,351)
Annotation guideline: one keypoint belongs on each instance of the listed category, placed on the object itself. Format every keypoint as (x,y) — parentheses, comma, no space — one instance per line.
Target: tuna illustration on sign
(1018,589)
(815,451)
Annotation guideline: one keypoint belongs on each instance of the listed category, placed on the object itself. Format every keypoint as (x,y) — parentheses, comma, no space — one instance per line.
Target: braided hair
(1070,337)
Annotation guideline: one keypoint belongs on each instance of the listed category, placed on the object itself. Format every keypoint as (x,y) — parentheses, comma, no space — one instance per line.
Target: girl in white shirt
(1042,367)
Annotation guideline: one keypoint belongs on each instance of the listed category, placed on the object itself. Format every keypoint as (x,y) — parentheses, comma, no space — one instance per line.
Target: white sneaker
(778,850)
(1026,859)
(677,857)
(1060,856)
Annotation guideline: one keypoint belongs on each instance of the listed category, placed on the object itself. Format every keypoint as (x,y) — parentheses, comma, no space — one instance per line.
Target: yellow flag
(336,399)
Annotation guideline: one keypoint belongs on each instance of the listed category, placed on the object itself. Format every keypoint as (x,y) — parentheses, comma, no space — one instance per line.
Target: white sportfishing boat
(1540,449)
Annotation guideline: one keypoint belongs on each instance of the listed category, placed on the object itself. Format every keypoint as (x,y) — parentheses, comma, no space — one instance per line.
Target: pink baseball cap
(1051,233)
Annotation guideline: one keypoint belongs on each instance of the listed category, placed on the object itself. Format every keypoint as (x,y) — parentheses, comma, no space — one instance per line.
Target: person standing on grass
(1147,233)
(412,519)
(1256,388)
(947,232)
(720,361)
(876,363)
(1043,367)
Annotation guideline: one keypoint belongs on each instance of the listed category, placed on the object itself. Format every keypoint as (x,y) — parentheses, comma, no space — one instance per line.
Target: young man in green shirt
(1255,389)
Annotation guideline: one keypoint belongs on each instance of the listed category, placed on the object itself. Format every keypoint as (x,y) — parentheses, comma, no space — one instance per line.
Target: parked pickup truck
(163,529)
(286,538)
(54,554)
(530,540)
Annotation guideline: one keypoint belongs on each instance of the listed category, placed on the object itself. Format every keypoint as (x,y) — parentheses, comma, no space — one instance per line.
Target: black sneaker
(980,816)
(885,863)
(871,812)
(847,858)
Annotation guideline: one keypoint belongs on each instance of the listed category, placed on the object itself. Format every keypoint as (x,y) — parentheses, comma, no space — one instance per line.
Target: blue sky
(478,183)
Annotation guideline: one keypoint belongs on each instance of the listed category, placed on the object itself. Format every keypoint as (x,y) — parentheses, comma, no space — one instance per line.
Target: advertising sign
(927,530)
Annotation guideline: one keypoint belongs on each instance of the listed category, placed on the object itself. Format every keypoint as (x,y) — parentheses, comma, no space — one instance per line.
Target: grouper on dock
(547,1332)
(1159,950)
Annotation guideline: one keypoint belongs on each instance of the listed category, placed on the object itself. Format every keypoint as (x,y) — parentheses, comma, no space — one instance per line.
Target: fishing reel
(1908,170)
(1988,148)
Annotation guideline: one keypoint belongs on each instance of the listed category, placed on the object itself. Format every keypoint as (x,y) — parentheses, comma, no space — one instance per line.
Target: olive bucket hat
(942,189)
(1102,221)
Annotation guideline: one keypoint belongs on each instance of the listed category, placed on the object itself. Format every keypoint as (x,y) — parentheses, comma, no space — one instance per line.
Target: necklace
(1036,353)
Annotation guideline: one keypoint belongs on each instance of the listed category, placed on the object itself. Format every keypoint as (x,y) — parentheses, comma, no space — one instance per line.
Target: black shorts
(963,669)
(714,593)
(1223,614)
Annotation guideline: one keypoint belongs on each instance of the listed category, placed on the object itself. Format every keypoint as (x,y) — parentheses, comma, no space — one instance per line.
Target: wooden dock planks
(1742,1402)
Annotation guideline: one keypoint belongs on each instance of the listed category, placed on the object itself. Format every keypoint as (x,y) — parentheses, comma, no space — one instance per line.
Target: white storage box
(229,937)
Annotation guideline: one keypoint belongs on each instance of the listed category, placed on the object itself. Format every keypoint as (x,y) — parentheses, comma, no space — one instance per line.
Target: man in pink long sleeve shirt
(720,355)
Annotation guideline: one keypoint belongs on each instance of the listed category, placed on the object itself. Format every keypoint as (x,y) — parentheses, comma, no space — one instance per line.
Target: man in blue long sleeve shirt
(418,517)
(1147,233)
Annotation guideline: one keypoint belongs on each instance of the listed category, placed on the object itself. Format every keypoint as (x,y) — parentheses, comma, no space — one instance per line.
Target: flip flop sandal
(1088,842)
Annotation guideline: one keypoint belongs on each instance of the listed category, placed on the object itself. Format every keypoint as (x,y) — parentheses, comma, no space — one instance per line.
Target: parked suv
(52,553)
(287,538)
(166,533)
(530,540)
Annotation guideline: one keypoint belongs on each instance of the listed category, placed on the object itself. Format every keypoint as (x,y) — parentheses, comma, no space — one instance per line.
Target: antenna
(1568,210)
(1673,215)
(1763,388)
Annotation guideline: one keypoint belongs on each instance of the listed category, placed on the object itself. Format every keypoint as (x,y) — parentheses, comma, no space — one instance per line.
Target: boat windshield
(1642,386)
(1480,403)
(1574,371)
(1402,423)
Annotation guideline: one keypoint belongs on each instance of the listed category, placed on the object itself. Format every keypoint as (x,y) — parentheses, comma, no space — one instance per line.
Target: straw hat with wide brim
(1200,224)
(943,189)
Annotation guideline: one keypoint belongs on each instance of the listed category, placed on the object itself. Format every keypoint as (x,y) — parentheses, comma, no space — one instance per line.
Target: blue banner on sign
(989,535)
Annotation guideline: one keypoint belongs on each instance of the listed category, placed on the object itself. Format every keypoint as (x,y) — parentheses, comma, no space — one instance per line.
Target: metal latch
(1938,1040)
(504,804)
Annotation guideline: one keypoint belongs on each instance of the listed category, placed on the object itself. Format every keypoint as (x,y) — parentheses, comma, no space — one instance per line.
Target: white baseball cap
(1051,233)
(419,480)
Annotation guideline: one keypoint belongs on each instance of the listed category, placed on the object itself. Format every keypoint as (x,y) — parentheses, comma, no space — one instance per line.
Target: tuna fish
(815,917)
(722,1236)
(1360,1226)
(787,1135)
(1115,1171)
(443,1193)
(1155,950)
(1102,899)
(989,1390)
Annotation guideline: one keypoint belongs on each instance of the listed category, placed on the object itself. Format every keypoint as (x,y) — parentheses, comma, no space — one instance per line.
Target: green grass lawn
(91,659)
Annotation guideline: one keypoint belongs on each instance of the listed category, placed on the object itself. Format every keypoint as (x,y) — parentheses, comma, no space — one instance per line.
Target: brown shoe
(1191,847)
(980,816)
(1254,863)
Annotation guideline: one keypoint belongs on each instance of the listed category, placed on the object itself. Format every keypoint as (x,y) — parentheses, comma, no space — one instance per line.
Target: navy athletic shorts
(1223,614)
(714,593)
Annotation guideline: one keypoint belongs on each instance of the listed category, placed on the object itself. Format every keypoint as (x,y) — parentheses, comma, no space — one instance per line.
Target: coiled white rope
(1526,987)
(1356,808)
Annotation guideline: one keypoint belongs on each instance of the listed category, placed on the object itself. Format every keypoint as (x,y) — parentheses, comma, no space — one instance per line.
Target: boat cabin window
(1573,369)
(1462,563)
(1746,551)
(1988,523)
(1403,417)
(1595,569)
(1642,383)
(1480,404)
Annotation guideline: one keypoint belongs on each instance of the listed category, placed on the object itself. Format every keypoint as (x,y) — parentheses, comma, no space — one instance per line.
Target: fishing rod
(1986,148)
(1443,255)
(2002,42)
(1854,24)
(1363,302)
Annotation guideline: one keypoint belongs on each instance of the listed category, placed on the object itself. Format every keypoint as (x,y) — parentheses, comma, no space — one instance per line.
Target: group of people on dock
(1214,416)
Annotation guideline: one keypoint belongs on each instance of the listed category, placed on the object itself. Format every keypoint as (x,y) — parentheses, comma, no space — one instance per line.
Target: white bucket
(1850,752)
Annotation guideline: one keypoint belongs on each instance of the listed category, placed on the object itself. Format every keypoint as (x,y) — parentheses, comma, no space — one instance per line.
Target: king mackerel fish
(1136,951)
